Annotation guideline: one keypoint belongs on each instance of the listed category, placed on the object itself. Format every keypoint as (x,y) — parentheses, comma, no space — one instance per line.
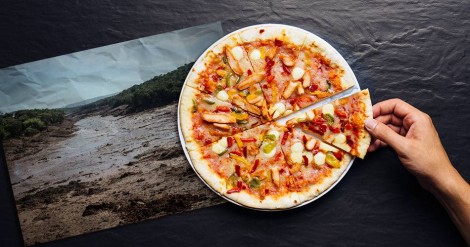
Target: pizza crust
(364,140)
(200,65)
(317,189)
(286,201)
(289,34)
(185,111)
(203,170)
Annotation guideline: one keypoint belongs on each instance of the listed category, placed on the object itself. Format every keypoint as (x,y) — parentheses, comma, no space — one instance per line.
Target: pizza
(340,123)
(232,108)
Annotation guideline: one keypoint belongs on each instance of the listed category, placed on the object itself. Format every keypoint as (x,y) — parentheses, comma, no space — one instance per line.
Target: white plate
(331,52)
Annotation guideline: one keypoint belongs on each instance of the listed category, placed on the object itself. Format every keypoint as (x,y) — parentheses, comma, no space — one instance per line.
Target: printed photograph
(107,160)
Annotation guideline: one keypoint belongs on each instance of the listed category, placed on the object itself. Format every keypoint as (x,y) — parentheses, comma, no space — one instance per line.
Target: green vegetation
(160,90)
(28,122)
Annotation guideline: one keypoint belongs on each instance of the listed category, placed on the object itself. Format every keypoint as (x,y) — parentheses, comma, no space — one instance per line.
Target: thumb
(384,133)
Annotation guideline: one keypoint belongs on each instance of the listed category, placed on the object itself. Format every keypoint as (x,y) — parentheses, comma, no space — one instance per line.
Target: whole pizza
(258,121)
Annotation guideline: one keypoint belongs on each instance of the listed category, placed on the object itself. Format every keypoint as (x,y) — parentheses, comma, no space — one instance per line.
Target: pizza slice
(248,168)
(205,118)
(297,74)
(314,165)
(226,73)
(340,123)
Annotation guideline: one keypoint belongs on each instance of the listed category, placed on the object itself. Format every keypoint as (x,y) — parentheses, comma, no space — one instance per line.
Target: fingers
(395,107)
(376,144)
(384,133)
(390,119)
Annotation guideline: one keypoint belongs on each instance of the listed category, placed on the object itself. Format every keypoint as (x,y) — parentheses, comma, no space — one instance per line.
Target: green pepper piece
(233,179)
(330,119)
(332,160)
(269,137)
(244,121)
(269,147)
(224,59)
(254,183)
(194,106)
(227,79)
(222,152)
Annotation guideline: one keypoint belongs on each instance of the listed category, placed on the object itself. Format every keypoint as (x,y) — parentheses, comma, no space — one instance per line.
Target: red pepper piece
(229,141)
(248,139)
(269,78)
(340,113)
(234,190)
(305,160)
(348,126)
(338,155)
(237,171)
(253,169)
(284,137)
(304,139)
(313,87)
(249,72)
(278,42)
(215,78)
(334,129)
(222,108)
(245,151)
(236,152)
(286,70)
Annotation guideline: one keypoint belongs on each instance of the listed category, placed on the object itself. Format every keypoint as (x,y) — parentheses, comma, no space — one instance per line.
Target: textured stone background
(417,51)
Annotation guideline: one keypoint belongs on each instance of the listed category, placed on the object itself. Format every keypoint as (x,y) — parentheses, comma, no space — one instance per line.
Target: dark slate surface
(417,51)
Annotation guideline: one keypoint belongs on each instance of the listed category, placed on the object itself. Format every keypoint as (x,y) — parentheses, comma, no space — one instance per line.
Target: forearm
(454,194)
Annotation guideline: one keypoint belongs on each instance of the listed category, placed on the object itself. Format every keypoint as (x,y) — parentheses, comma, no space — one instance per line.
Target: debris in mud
(96,208)
(48,195)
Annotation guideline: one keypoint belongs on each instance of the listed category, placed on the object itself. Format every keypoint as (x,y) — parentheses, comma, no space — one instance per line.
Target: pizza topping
(253,169)
(208,100)
(297,73)
(269,148)
(339,138)
(306,80)
(222,126)
(309,157)
(194,106)
(255,54)
(296,157)
(277,110)
(229,141)
(329,118)
(325,147)
(287,60)
(239,141)
(310,115)
(254,183)
(218,118)
(221,72)
(290,89)
(222,95)
(309,145)
(220,147)
(297,147)
(305,160)
(328,109)
(275,176)
(331,160)
(319,159)
(250,139)
(274,133)
(250,80)
(239,158)
(237,52)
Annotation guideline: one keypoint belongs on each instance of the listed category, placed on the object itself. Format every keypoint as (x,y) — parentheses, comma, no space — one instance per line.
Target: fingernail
(371,124)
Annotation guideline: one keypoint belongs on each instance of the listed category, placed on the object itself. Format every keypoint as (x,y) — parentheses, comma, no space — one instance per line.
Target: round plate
(331,53)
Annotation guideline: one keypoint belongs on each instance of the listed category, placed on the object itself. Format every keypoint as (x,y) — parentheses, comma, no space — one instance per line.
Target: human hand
(413,136)
(411,133)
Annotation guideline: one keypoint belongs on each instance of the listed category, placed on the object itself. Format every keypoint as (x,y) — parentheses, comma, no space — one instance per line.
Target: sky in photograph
(68,79)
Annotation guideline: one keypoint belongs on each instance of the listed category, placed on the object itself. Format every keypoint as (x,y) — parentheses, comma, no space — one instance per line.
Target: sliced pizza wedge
(340,123)
(248,168)
(314,165)
(297,73)
(205,118)
(226,73)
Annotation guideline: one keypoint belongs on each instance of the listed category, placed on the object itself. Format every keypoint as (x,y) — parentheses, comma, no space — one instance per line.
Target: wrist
(451,187)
